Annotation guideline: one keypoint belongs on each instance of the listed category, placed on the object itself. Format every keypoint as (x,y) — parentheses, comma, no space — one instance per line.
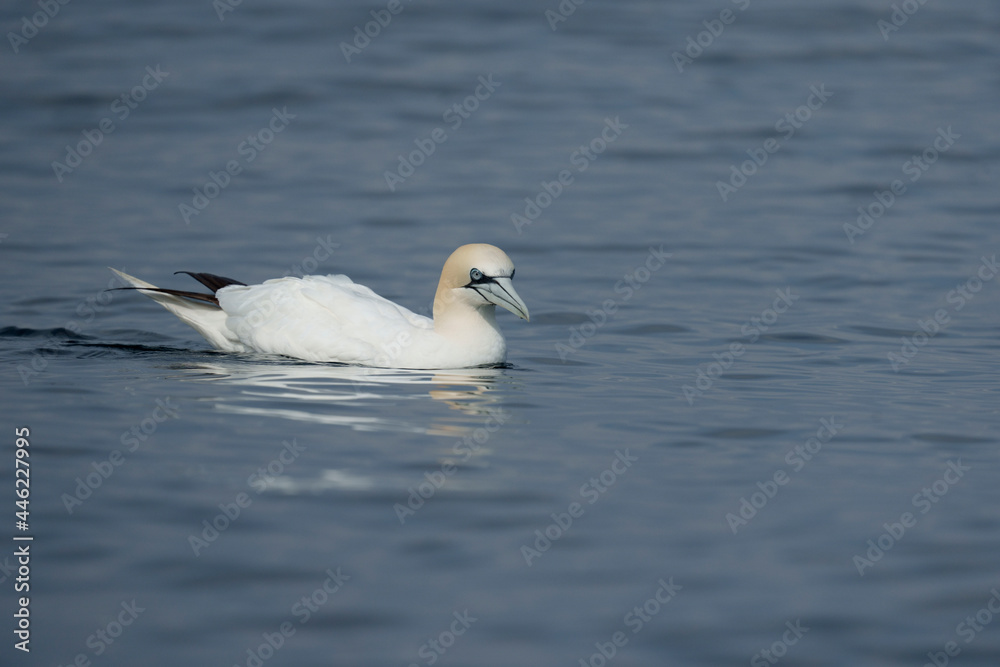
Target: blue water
(746,416)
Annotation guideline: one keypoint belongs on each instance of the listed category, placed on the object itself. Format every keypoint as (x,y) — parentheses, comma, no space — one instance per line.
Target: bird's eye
(475,275)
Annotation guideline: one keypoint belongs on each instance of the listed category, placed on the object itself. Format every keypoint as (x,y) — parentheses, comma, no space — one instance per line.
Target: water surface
(781,437)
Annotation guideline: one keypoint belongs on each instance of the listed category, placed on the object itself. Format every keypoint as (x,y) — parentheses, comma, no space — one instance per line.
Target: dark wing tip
(211,281)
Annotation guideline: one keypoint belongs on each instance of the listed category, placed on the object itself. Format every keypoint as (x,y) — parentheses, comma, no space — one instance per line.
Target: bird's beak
(500,291)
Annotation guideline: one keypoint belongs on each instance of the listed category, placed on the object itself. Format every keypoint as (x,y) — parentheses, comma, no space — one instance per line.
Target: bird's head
(478,275)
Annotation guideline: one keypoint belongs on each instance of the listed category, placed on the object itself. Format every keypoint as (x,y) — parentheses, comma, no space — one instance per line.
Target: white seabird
(333,319)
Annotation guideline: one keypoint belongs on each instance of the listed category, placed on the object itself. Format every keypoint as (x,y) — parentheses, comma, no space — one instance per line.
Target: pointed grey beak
(500,291)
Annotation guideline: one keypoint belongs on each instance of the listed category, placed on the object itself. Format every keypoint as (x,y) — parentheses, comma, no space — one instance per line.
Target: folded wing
(319,318)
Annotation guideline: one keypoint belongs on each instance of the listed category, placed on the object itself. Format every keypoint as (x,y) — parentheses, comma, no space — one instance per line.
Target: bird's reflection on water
(354,396)
(463,408)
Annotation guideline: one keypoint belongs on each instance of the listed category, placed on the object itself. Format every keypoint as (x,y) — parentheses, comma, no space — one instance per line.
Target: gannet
(333,319)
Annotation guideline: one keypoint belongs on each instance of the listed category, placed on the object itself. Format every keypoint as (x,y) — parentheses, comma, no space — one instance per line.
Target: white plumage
(332,318)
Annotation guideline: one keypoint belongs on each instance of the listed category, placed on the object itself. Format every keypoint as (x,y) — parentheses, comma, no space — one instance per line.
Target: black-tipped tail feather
(212,282)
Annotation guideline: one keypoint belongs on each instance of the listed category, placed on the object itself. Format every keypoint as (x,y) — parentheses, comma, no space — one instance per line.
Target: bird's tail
(199,311)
